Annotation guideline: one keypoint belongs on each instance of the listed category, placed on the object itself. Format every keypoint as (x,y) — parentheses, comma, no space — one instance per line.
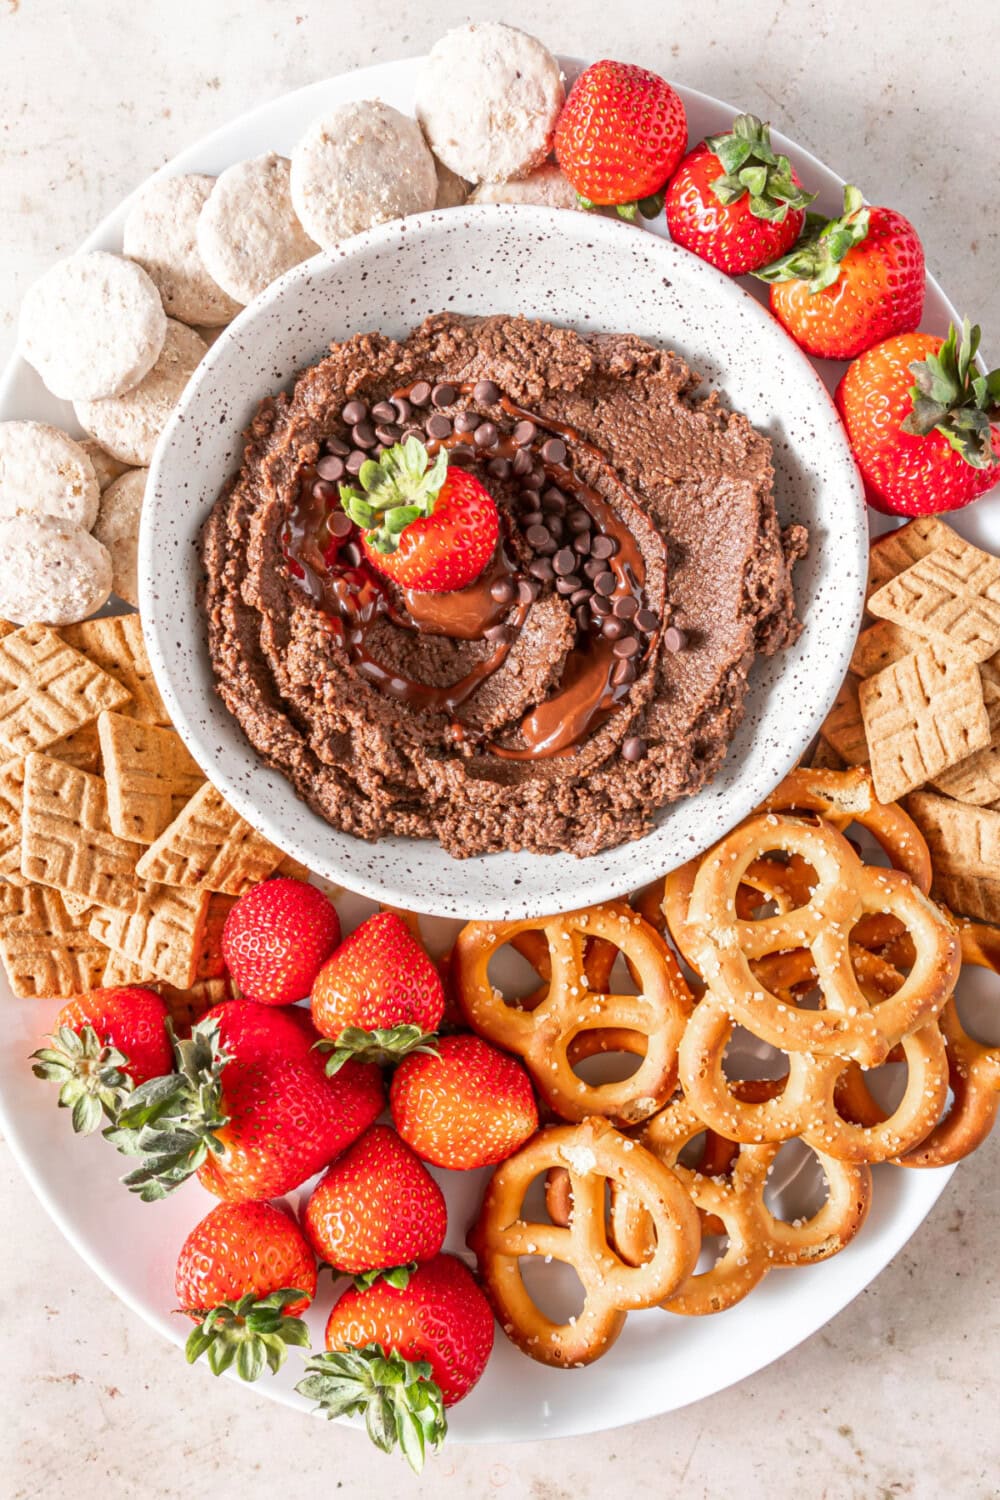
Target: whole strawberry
(245,1273)
(467,1105)
(401,1355)
(104,1043)
(923,421)
(379,996)
(428,527)
(620,135)
(734,202)
(276,938)
(849,282)
(377,1210)
(249,1107)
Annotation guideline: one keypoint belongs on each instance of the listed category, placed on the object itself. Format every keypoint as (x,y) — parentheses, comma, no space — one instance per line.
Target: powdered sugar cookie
(452,189)
(359,165)
(92,326)
(488,97)
(44,473)
(161,233)
(128,426)
(54,573)
(248,231)
(117,527)
(545,185)
(105,467)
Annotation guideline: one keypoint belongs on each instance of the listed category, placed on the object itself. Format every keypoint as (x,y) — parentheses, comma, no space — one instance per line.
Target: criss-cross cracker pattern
(210,846)
(66,840)
(48,690)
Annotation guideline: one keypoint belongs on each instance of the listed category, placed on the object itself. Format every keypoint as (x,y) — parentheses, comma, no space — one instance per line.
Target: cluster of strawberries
(262,1095)
(920,415)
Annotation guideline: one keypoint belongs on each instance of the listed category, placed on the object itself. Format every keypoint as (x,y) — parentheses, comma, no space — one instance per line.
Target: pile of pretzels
(783,929)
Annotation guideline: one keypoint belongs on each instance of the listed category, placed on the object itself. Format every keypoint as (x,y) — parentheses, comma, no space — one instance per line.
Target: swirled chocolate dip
(598,667)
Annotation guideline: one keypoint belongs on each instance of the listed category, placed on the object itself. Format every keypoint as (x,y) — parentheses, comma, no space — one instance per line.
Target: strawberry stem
(951,395)
(93,1083)
(385,1047)
(249,1332)
(817,257)
(752,166)
(401,1404)
(402,486)
(397,1276)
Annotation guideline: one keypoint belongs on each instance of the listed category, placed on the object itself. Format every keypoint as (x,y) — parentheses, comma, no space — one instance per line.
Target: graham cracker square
(209,846)
(48,690)
(66,839)
(950,597)
(46,952)
(880,646)
(149,775)
(115,643)
(162,936)
(898,550)
(843,728)
(965,851)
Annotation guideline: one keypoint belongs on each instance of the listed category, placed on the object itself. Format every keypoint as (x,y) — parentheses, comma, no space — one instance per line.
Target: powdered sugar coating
(106,468)
(54,573)
(44,472)
(248,231)
(117,527)
(545,185)
(129,425)
(161,233)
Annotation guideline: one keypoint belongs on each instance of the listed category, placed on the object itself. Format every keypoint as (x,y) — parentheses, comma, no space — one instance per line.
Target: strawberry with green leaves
(103,1044)
(379,996)
(427,526)
(245,1273)
(465,1105)
(276,938)
(850,282)
(735,202)
(620,136)
(923,421)
(400,1355)
(376,1211)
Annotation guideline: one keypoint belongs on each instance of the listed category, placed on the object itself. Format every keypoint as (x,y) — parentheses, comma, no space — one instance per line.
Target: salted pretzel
(808,1104)
(543,1037)
(593,1154)
(845,890)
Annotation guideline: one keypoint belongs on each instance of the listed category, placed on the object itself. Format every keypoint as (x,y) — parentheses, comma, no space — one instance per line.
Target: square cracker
(46,952)
(210,846)
(81,749)
(975,779)
(48,690)
(920,716)
(898,550)
(880,646)
(120,970)
(965,852)
(115,643)
(66,839)
(149,776)
(163,936)
(989,672)
(11,802)
(843,729)
(951,597)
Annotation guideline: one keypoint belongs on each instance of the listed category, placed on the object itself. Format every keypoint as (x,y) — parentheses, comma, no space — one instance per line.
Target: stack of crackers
(118,862)
(921,704)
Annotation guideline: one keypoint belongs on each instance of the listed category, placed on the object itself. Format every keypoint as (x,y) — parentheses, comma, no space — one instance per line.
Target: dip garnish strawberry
(427,526)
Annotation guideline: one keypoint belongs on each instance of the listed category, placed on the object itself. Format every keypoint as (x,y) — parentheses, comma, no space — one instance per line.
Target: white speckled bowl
(593,274)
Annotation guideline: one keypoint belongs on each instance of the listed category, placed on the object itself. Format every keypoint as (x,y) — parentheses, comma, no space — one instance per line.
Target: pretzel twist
(593,1154)
(544,1036)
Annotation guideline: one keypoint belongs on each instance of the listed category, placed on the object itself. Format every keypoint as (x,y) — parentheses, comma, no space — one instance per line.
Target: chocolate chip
(444,394)
(605,583)
(634,748)
(486,392)
(613,629)
(581,543)
(462,455)
(647,620)
(389,433)
(467,421)
(384,411)
(412,430)
(532,518)
(579,521)
(500,468)
(354,460)
(580,596)
(554,451)
(351,555)
(363,434)
(554,501)
(627,646)
(555,525)
(338,446)
(533,481)
(402,408)
(339,524)
(538,537)
(420,394)
(624,671)
(331,467)
(497,633)
(600,606)
(569,585)
(541,569)
(521,463)
(323,490)
(593,569)
(524,433)
(438,426)
(528,590)
(674,639)
(564,561)
(486,434)
(582,616)
(626,607)
(354,412)
(603,546)
(503,590)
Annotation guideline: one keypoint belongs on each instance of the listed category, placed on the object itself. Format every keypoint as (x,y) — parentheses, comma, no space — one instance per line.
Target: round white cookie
(105,467)
(248,231)
(359,165)
(43,472)
(54,573)
(92,326)
(117,526)
(161,233)
(452,189)
(488,97)
(546,185)
(128,426)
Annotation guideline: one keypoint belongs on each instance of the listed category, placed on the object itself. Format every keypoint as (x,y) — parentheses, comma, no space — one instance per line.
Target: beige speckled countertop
(898,1395)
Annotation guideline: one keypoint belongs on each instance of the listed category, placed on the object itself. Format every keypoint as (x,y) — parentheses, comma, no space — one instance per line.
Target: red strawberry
(851,282)
(401,1355)
(379,996)
(249,1108)
(103,1044)
(244,1274)
(426,526)
(620,135)
(378,1207)
(276,937)
(734,202)
(923,422)
(467,1105)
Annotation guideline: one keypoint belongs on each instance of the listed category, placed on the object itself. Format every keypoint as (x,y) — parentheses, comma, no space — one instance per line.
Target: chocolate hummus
(598,668)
